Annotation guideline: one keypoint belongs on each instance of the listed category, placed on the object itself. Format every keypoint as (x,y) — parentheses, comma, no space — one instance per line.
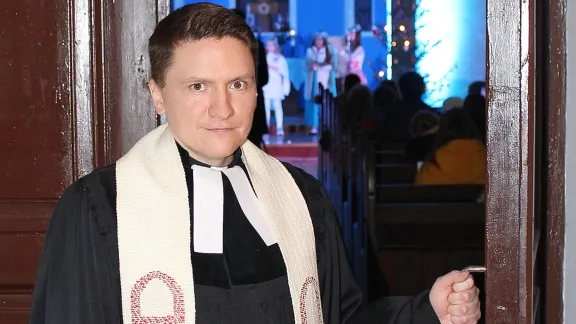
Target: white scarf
(154,232)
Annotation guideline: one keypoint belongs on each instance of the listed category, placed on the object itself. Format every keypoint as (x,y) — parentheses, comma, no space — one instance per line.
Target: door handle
(475,268)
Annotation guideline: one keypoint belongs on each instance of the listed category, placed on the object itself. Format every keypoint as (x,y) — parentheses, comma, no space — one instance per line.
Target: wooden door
(72,98)
(525,189)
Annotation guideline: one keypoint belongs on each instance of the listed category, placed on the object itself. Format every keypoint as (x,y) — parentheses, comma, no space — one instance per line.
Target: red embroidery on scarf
(177,295)
(310,283)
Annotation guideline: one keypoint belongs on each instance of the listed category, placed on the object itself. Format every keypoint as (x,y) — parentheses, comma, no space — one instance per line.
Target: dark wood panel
(20,260)
(36,99)
(127,26)
(430,214)
(73,97)
(410,193)
(510,194)
(14,308)
(25,216)
(403,269)
(553,313)
(395,173)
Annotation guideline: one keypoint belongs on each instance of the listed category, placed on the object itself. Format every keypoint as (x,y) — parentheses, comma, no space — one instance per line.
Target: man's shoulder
(89,200)
(301,177)
(93,186)
(312,190)
(103,177)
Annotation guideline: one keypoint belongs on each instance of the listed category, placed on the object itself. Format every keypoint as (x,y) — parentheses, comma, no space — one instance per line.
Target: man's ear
(157,99)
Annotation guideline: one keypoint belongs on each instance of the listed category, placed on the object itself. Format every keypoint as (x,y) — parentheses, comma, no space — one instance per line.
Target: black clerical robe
(79,280)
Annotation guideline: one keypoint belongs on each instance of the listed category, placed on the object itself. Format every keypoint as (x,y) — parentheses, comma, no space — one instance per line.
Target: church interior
(398,129)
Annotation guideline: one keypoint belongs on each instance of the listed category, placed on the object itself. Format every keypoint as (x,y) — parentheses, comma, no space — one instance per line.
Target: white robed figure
(356,54)
(321,60)
(278,86)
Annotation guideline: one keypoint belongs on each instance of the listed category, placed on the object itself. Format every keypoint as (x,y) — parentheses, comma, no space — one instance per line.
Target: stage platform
(298,149)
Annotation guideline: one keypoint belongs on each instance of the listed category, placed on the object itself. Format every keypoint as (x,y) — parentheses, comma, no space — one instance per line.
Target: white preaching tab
(208,205)
(208,210)
(250,204)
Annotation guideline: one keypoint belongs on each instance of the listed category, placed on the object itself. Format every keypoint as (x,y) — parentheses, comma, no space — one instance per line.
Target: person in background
(412,88)
(423,127)
(390,84)
(278,86)
(385,100)
(458,155)
(475,106)
(349,82)
(451,103)
(356,53)
(320,63)
(259,125)
(477,88)
(360,107)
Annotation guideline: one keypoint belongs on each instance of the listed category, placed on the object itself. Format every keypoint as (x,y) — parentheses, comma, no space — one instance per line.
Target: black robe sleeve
(341,296)
(75,282)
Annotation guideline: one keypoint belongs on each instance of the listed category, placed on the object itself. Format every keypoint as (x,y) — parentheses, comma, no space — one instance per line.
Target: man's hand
(454,298)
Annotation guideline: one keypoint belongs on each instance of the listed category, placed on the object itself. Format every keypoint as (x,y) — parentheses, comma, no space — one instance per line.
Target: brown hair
(328,59)
(357,40)
(192,23)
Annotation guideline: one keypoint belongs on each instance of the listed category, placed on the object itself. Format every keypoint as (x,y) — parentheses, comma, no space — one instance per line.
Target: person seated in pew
(458,155)
(475,106)
(360,108)
(391,84)
(385,99)
(412,89)
(349,82)
(423,128)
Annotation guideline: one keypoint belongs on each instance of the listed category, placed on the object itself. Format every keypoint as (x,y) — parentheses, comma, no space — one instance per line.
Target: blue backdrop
(458,28)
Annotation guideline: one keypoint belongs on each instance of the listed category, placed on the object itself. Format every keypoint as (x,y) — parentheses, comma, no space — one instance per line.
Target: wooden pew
(389,156)
(389,146)
(419,225)
(365,181)
(419,242)
(420,232)
(330,169)
(345,175)
(410,193)
(404,173)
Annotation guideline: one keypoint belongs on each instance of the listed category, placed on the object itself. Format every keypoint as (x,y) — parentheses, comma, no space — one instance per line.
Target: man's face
(209,97)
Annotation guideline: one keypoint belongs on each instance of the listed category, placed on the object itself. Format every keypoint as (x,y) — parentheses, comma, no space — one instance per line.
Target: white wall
(570,250)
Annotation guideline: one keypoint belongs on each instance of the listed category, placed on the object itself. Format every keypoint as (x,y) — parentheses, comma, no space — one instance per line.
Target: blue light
(450,46)
(389,39)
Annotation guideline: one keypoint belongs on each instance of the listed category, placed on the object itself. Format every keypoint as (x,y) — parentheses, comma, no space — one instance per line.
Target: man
(197,225)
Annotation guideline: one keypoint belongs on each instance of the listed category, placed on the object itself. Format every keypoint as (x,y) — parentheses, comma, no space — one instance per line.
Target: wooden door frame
(513,66)
(556,156)
(104,63)
(123,112)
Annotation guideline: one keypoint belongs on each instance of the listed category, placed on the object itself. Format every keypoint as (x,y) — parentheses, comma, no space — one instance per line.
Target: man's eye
(238,85)
(197,87)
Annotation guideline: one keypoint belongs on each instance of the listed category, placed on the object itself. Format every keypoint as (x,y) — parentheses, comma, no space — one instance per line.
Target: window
(363,14)
(265,16)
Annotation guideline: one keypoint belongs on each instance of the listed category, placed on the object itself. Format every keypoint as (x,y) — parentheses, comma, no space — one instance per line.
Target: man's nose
(221,108)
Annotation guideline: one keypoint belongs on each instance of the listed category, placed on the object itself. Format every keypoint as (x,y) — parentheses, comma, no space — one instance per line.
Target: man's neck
(215,162)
